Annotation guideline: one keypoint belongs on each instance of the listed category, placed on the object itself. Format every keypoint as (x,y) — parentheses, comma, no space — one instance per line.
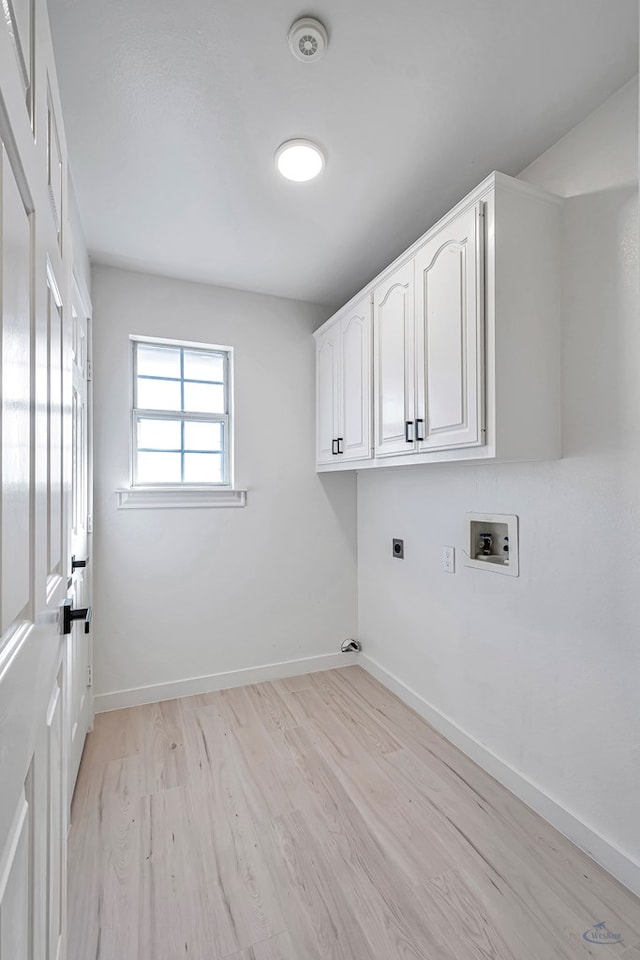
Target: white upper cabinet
(343,386)
(394,363)
(466,342)
(449,335)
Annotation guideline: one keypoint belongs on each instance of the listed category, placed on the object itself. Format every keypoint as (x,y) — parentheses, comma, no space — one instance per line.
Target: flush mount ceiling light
(308,39)
(299,160)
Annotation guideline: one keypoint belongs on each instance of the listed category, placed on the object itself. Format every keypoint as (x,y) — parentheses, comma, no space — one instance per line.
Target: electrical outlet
(398,549)
(449,559)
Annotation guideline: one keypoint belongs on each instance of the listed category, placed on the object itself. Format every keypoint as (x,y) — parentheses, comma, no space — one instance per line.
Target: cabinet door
(327,393)
(449,335)
(394,363)
(355,420)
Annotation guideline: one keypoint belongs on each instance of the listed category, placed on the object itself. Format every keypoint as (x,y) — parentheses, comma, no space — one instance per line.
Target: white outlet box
(449,559)
(492,543)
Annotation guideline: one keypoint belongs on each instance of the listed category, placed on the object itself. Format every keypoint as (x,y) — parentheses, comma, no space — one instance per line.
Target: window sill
(149,498)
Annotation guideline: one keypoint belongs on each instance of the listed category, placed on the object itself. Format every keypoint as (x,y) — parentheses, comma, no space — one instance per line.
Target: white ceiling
(173,112)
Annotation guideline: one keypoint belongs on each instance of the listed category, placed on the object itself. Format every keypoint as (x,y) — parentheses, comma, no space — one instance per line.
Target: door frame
(81,301)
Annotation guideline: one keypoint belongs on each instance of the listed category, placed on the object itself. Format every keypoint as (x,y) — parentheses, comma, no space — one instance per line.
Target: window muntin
(181,423)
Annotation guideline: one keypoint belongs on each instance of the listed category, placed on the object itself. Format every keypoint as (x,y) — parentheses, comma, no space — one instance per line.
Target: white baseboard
(134,697)
(614,860)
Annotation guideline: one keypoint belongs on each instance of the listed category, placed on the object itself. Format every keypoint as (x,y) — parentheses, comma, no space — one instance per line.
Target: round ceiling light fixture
(308,39)
(299,160)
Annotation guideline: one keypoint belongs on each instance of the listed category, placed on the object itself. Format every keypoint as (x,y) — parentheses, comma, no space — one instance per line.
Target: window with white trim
(181,428)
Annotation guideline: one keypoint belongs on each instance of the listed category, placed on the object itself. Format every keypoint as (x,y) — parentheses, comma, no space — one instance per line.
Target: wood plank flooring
(317,818)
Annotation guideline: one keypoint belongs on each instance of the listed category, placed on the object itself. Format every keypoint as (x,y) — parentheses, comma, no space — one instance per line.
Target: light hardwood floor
(316,818)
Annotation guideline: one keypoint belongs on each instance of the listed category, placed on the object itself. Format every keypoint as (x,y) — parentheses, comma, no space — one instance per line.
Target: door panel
(327,387)
(355,426)
(15,905)
(55,166)
(445,322)
(19,21)
(54,417)
(56,833)
(449,335)
(394,359)
(16,386)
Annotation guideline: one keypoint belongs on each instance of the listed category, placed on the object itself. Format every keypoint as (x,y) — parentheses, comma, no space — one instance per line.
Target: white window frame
(181,494)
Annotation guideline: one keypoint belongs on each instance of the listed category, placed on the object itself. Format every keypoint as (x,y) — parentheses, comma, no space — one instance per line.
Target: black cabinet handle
(334,447)
(340,441)
(407,424)
(419,430)
(77,564)
(69,615)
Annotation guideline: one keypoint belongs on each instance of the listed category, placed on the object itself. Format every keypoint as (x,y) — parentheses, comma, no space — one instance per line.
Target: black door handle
(340,441)
(407,424)
(419,430)
(76,564)
(334,447)
(69,614)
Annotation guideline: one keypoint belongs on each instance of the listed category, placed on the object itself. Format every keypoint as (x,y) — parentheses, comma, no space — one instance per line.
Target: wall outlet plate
(449,559)
(492,543)
(398,549)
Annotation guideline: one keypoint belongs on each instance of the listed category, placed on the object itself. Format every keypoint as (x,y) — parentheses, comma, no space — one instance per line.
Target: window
(181,423)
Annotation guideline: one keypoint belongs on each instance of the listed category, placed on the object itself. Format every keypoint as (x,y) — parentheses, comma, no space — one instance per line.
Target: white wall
(195,592)
(544,670)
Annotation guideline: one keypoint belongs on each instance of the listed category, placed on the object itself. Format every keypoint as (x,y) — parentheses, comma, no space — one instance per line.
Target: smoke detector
(308,39)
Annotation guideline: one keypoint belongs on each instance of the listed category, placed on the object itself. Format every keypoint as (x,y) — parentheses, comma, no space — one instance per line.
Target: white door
(394,364)
(327,394)
(354,428)
(449,334)
(79,651)
(34,467)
